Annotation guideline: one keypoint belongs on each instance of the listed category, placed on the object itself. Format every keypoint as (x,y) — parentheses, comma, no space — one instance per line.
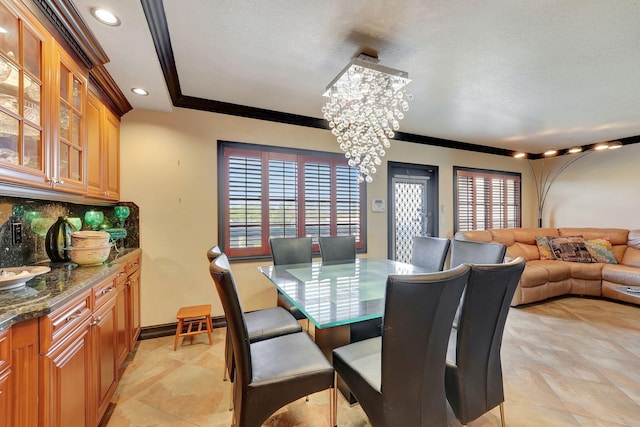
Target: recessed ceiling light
(550,152)
(105,17)
(602,146)
(574,150)
(614,145)
(520,155)
(139,91)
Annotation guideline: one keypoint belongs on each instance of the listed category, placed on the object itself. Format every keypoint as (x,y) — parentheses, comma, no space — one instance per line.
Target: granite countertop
(46,292)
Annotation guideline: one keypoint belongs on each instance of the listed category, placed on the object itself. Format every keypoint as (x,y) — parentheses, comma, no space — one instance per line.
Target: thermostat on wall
(378,205)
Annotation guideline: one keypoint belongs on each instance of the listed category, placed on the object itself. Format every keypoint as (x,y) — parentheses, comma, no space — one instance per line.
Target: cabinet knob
(96,320)
(106,291)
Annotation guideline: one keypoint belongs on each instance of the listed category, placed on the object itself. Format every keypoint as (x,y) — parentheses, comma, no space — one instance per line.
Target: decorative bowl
(91,255)
(15,277)
(87,239)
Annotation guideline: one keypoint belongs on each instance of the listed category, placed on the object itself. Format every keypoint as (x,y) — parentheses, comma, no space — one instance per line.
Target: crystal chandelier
(365,106)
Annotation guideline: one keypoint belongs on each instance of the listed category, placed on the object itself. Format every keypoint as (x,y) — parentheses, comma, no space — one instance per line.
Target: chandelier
(365,106)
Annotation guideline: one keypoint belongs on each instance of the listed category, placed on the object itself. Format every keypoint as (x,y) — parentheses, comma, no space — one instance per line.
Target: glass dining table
(343,301)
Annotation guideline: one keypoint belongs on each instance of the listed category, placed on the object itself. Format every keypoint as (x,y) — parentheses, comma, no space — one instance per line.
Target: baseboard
(169,329)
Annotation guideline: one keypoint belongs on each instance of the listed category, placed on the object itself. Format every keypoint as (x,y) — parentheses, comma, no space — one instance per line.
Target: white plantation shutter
(486,199)
(286,193)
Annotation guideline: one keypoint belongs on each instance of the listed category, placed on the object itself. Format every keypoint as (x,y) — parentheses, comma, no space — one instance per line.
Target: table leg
(328,339)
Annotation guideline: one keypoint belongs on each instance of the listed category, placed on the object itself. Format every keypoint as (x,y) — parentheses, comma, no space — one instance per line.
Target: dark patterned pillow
(570,248)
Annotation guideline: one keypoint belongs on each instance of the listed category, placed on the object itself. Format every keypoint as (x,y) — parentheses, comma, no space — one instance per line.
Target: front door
(413,196)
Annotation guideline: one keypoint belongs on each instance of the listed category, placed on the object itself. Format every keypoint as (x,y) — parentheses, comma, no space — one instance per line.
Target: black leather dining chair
(337,249)
(473,374)
(261,324)
(468,252)
(290,250)
(273,372)
(398,378)
(430,252)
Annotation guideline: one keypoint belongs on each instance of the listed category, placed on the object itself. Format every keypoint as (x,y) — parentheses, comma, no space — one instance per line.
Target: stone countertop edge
(46,292)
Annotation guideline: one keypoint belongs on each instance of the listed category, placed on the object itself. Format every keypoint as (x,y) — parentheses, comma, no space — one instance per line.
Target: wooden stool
(192,316)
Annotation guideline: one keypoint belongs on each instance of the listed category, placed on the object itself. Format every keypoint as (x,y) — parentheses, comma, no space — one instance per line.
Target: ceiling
(517,75)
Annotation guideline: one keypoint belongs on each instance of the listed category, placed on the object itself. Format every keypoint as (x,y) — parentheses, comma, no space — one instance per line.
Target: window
(275,192)
(486,199)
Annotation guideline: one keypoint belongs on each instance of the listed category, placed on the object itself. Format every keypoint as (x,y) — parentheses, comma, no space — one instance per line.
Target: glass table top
(337,294)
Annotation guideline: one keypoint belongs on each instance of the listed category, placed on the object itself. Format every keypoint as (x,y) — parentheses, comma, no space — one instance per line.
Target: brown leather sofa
(544,279)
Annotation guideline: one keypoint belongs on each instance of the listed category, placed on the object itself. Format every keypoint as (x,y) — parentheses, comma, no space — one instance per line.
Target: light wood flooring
(567,362)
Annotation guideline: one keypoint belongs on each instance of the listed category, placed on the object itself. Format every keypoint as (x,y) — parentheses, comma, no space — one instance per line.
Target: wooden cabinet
(79,360)
(5,377)
(132,291)
(24,48)
(62,369)
(103,338)
(65,364)
(24,374)
(5,404)
(103,151)
(68,136)
(52,135)
(122,336)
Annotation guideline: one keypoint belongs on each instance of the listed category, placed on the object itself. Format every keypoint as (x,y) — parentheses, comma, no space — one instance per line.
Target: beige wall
(168,167)
(601,189)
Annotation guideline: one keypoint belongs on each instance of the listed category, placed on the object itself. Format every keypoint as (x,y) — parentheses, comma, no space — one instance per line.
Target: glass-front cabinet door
(69,136)
(23,155)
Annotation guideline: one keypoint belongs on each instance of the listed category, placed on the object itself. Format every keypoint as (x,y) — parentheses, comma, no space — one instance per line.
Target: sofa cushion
(570,248)
(586,271)
(528,252)
(616,236)
(557,270)
(539,272)
(621,274)
(534,275)
(601,250)
(631,257)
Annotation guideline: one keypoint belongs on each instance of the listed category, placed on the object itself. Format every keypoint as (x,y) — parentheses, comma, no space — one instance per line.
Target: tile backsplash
(24,223)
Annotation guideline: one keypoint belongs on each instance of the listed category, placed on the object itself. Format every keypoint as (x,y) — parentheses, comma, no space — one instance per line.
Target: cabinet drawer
(132,265)
(121,275)
(103,292)
(64,321)
(5,350)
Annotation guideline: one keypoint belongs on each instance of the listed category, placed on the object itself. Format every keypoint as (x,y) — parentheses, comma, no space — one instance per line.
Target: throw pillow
(570,248)
(543,248)
(601,250)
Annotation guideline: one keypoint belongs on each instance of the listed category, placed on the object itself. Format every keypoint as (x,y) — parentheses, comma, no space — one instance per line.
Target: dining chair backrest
(272,372)
(473,376)
(337,248)
(213,253)
(234,315)
(290,250)
(417,320)
(430,252)
(468,252)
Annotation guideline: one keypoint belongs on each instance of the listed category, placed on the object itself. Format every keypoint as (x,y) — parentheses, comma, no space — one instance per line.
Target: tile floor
(567,362)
